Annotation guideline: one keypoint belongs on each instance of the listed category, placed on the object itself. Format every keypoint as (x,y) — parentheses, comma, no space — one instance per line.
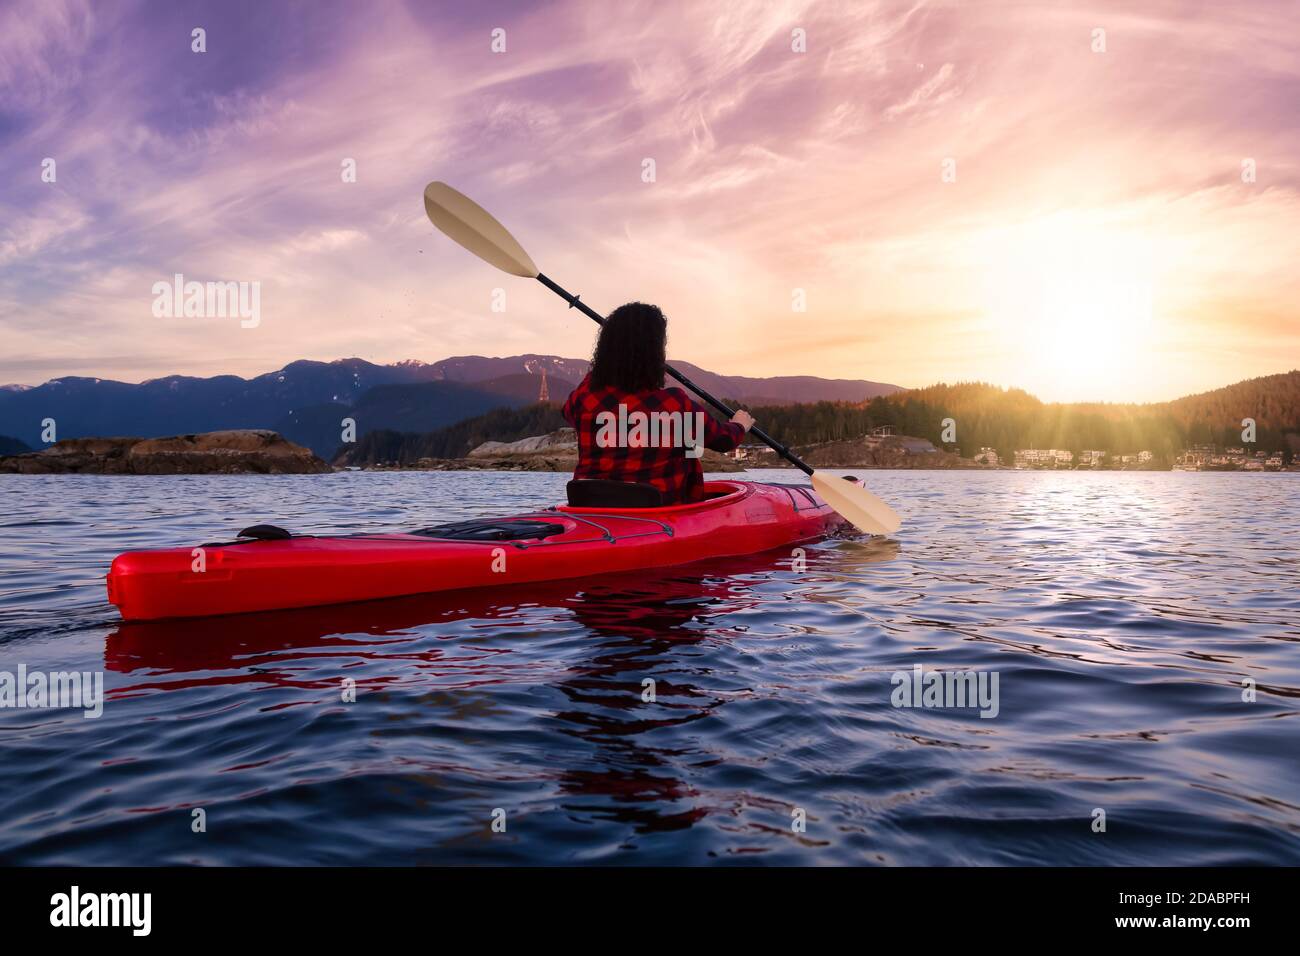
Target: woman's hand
(743,419)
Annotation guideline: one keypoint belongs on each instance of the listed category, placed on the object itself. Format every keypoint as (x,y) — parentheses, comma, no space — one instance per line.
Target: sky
(1091,201)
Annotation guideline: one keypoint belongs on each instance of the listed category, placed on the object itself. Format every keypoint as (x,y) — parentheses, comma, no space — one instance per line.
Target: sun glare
(1070,304)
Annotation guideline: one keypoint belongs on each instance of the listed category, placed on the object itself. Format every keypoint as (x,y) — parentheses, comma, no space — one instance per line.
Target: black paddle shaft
(764,437)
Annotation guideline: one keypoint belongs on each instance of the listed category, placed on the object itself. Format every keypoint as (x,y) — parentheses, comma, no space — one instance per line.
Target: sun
(1070,302)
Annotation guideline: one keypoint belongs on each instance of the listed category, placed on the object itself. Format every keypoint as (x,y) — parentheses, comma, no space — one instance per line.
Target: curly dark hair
(630,351)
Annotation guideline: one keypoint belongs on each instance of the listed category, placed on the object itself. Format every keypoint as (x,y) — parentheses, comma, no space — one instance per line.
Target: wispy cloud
(775,170)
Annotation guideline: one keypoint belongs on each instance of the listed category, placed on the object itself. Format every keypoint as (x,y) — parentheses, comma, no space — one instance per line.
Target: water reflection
(1123,612)
(636,673)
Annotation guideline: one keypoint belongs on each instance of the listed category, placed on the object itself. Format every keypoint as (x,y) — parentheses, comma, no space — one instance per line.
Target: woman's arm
(719,436)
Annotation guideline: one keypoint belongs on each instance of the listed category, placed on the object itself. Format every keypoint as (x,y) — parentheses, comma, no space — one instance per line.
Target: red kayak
(271,569)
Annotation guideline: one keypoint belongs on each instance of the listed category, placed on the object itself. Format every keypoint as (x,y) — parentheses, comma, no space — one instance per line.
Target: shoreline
(262,451)
(467,467)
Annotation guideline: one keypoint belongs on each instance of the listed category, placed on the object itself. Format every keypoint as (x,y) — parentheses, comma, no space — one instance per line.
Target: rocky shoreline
(237,451)
(895,451)
(265,452)
(260,451)
(534,462)
(558,451)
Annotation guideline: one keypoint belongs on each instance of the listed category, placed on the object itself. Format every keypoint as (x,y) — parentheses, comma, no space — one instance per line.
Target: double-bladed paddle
(470,225)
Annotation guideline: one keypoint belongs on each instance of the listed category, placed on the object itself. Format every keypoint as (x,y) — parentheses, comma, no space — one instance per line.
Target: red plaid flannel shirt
(667,468)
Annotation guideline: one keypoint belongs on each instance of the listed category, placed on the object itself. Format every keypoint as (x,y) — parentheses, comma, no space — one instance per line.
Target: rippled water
(1120,612)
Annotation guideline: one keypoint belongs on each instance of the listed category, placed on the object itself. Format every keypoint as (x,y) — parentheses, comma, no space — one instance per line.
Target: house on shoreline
(1043,458)
(1211,458)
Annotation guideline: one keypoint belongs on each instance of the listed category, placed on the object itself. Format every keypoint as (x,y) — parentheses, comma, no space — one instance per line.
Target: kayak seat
(602,493)
(265,532)
(492,529)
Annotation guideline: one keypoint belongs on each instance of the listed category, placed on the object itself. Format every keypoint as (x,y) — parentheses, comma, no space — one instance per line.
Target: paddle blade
(473,227)
(860,507)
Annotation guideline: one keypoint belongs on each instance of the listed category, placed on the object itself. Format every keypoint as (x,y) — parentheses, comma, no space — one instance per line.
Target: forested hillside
(984,416)
(1007,419)
(455,441)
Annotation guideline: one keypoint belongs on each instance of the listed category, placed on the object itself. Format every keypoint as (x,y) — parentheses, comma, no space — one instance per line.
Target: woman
(624,416)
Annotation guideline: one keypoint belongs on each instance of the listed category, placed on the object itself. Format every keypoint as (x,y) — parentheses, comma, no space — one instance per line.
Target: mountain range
(308,401)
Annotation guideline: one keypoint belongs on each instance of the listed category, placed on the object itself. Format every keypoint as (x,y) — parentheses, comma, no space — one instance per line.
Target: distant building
(1043,457)
(1208,458)
(1132,461)
(1091,459)
(882,431)
(988,456)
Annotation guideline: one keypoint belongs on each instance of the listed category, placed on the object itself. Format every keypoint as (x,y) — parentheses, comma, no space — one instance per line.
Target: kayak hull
(247,576)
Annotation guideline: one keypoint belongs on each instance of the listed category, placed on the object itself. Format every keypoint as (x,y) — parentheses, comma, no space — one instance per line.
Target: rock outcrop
(557,451)
(242,451)
(896,451)
(561,442)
